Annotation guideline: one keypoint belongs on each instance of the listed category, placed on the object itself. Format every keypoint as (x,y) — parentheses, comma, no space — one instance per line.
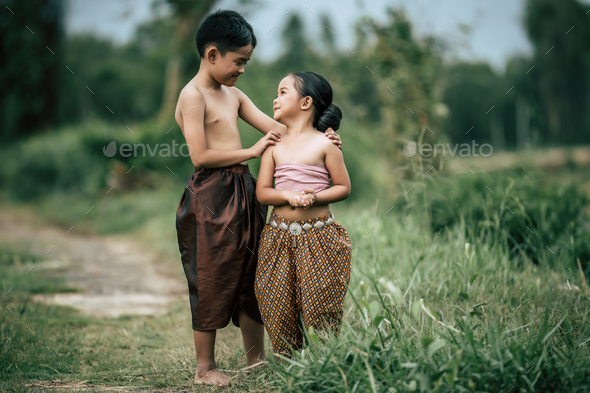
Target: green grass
(42,342)
(431,316)
(422,314)
(535,217)
(127,351)
(27,274)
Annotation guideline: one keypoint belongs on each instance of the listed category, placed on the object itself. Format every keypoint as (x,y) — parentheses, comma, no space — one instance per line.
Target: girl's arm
(265,193)
(340,189)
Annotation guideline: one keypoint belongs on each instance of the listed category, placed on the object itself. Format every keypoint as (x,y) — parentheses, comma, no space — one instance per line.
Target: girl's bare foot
(211,377)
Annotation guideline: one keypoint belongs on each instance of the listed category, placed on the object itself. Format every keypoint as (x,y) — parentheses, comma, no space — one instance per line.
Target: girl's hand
(308,197)
(303,199)
(330,133)
(295,200)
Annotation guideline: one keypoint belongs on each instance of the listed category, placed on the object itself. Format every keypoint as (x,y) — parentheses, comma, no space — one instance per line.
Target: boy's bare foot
(212,377)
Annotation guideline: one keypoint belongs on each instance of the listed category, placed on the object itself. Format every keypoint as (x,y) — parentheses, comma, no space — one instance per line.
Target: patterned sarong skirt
(301,278)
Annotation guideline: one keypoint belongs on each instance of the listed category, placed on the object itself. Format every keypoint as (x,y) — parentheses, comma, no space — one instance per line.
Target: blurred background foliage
(66,97)
(458,277)
(135,80)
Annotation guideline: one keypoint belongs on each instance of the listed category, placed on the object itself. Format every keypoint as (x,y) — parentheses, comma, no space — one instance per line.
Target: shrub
(56,162)
(71,160)
(542,221)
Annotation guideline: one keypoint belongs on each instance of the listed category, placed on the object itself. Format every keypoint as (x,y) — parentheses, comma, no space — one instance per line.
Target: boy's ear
(212,54)
(306,102)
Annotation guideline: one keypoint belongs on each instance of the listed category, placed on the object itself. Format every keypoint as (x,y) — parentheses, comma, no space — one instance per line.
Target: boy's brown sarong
(304,280)
(218,222)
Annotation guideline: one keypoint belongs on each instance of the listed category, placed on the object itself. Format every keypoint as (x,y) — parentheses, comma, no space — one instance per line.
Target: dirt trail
(116,275)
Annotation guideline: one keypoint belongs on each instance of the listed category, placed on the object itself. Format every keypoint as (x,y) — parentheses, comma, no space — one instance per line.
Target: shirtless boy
(218,219)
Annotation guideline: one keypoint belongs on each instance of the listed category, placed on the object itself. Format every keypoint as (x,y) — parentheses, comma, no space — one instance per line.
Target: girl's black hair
(325,114)
(225,29)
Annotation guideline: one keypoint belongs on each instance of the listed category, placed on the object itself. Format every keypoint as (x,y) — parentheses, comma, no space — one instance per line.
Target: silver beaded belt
(295,228)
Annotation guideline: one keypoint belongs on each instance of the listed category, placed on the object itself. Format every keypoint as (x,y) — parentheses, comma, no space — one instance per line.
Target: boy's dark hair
(225,29)
(325,114)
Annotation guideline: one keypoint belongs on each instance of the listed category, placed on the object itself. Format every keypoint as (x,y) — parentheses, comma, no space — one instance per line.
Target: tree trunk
(171,89)
(189,16)
(173,75)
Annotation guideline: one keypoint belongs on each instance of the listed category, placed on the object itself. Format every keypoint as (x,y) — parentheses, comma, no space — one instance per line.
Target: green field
(448,311)
(469,266)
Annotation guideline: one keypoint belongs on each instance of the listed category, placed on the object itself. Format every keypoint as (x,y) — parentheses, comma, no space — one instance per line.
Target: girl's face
(288,104)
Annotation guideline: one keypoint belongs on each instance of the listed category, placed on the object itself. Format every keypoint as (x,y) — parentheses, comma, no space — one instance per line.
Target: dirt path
(115,274)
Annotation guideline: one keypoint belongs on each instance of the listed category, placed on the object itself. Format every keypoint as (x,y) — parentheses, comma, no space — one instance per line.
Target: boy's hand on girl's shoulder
(330,133)
(271,138)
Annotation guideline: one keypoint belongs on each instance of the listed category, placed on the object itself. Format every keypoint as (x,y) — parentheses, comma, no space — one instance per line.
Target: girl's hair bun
(330,118)
(325,115)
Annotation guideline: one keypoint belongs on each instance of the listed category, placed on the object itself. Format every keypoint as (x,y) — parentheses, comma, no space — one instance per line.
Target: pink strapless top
(297,177)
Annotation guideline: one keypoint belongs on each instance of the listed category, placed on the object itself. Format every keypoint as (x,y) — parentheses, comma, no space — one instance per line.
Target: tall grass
(43,342)
(424,313)
(430,313)
(522,210)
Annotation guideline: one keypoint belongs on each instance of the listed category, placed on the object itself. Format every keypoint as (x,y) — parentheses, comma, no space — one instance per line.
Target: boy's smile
(232,64)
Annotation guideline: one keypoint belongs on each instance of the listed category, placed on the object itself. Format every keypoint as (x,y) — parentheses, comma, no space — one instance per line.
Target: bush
(542,221)
(72,161)
(400,346)
(55,162)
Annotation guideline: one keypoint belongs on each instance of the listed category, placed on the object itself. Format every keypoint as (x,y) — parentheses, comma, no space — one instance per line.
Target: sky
(495,26)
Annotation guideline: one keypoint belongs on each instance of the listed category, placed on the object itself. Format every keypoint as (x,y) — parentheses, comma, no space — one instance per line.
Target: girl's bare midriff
(299,213)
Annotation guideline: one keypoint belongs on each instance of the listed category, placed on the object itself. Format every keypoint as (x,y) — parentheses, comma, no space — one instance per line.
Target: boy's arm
(340,189)
(192,105)
(259,120)
(255,117)
(265,193)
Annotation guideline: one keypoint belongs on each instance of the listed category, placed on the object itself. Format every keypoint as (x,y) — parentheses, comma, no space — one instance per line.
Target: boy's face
(229,67)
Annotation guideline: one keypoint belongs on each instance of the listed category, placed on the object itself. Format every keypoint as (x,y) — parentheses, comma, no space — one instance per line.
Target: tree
(559,32)
(328,33)
(471,90)
(188,15)
(115,82)
(410,74)
(31,65)
(297,55)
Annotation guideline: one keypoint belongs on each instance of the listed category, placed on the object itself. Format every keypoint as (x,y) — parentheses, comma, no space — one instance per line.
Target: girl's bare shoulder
(321,139)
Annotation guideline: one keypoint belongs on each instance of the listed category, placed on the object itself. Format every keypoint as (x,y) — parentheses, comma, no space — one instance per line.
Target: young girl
(304,255)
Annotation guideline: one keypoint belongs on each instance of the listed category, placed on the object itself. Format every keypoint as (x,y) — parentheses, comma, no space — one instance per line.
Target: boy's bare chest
(221,112)
(221,122)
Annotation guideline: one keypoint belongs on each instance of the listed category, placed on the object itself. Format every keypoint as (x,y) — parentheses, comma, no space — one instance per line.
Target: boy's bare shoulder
(189,98)
(191,93)
(237,93)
